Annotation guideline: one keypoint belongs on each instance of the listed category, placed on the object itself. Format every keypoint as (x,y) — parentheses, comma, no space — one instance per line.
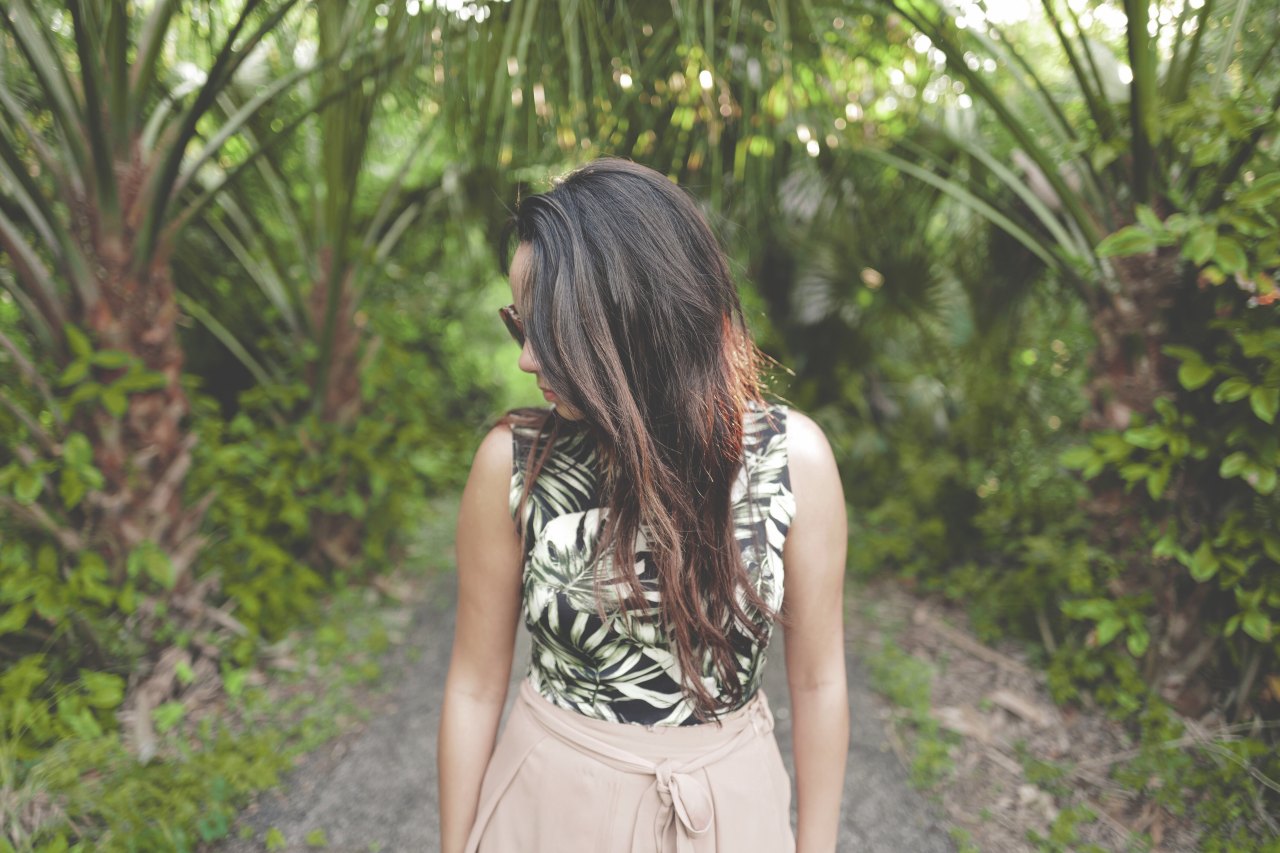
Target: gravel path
(375,789)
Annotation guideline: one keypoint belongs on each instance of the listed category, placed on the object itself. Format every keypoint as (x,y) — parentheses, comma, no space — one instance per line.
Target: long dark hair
(634,317)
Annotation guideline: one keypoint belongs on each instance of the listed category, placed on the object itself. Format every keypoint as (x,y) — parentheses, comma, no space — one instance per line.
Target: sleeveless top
(621,669)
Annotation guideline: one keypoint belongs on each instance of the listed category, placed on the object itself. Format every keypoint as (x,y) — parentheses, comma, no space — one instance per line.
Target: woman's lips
(550,395)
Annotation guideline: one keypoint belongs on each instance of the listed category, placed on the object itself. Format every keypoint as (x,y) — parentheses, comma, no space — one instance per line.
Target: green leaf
(1157,480)
(102,689)
(317,838)
(1204,564)
(1194,374)
(1132,240)
(76,340)
(159,568)
(75,372)
(1134,471)
(1213,274)
(1108,629)
(1181,353)
(76,450)
(1248,599)
(1092,608)
(79,720)
(1271,545)
(234,680)
(83,393)
(1250,227)
(1257,625)
(1233,465)
(1148,437)
(1102,156)
(1231,390)
(1265,481)
(92,581)
(140,380)
(1137,641)
(1262,192)
(27,486)
(1265,403)
(1148,219)
(167,715)
(127,598)
(1233,625)
(47,560)
(1077,457)
(150,560)
(14,618)
(111,359)
(1229,255)
(275,839)
(1199,246)
(71,489)
(51,602)
(1168,548)
(184,672)
(115,400)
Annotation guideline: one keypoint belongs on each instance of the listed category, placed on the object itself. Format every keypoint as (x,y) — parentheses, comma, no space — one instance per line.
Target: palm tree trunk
(144,452)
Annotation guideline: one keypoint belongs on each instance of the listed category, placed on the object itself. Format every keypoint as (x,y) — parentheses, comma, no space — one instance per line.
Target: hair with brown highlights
(634,318)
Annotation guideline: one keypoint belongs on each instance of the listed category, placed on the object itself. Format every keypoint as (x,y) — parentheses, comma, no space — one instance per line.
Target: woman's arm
(488,610)
(814,558)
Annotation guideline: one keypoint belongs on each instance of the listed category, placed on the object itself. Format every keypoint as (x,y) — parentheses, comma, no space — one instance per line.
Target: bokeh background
(1017,258)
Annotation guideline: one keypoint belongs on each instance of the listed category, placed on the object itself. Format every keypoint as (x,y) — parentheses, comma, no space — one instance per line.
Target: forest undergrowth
(977,728)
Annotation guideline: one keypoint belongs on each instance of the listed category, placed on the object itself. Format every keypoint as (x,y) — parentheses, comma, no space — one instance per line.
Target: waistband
(671,754)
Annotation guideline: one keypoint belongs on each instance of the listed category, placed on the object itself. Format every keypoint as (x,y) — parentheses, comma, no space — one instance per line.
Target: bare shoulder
(806,442)
(814,553)
(494,455)
(814,474)
(484,500)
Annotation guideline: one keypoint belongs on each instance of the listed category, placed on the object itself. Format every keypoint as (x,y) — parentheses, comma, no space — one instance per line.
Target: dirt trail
(374,789)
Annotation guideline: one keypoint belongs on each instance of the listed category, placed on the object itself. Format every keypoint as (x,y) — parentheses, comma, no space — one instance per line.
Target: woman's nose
(528,363)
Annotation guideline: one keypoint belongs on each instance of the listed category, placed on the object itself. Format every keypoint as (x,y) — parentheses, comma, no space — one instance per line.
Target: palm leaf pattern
(589,656)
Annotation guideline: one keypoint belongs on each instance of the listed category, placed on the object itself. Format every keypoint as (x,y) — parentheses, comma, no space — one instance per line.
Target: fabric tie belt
(681,810)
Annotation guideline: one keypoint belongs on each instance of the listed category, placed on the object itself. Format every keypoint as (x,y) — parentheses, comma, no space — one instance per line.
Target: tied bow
(687,811)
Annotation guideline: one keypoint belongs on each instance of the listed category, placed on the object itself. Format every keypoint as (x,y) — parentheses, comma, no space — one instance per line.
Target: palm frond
(42,58)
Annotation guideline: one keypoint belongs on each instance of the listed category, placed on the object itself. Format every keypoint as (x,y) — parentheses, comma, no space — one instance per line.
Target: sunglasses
(514,324)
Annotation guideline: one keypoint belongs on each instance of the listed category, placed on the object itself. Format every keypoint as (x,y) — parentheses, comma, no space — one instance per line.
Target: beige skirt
(561,782)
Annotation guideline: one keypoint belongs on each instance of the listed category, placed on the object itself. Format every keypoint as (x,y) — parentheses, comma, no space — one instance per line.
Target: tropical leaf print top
(619,668)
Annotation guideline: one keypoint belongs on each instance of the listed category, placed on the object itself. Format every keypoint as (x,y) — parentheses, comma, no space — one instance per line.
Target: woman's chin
(563,411)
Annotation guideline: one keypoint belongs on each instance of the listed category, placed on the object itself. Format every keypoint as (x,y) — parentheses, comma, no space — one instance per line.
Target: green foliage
(1173,540)
(1237,242)
(170,805)
(119,374)
(1063,836)
(1219,781)
(949,367)
(907,682)
(980,508)
(964,840)
(93,791)
(1114,617)
(1209,459)
(66,615)
(282,490)
(64,596)
(1110,675)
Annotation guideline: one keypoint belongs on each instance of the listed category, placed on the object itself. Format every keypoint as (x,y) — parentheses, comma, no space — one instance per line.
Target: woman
(669,517)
